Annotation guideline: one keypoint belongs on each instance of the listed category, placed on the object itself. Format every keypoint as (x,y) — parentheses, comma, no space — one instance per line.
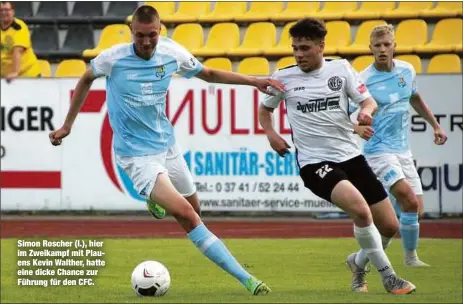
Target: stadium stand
(407,9)
(260,11)
(220,63)
(259,36)
(225,33)
(362,38)
(336,10)
(297,10)
(222,38)
(190,35)
(224,12)
(447,37)
(70,68)
(445,63)
(45,68)
(339,35)
(258,66)
(370,10)
(285,62)
(361,62)
(414,60)
(410,34)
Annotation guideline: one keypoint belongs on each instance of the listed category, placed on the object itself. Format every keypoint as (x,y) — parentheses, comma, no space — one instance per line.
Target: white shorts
(390,168)
(144,170)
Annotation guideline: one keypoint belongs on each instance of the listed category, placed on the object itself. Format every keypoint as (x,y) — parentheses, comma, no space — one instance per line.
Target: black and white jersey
(317,106)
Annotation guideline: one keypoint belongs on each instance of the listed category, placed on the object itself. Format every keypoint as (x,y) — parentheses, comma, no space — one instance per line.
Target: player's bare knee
(362,216)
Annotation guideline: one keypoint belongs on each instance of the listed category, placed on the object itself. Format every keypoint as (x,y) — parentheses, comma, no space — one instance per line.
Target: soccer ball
(150,279)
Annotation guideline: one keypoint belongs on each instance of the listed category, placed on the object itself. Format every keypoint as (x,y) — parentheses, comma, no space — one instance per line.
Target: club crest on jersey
(160,71)
(335,83)
(402,82)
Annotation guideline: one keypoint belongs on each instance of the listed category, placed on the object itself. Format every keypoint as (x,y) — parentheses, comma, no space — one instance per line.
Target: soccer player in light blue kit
(392,84)
(137,79)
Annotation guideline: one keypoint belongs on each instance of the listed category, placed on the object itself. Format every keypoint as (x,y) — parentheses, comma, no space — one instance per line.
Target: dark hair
(308,27)
(145,14)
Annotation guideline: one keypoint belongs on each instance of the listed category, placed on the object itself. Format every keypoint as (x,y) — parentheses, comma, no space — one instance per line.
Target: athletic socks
(361,259)
(369,240)
(410,231)
(215,250)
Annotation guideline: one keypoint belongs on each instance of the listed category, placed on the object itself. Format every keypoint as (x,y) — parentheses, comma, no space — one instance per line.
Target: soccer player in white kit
(137,79)
(393,85)
(328,154)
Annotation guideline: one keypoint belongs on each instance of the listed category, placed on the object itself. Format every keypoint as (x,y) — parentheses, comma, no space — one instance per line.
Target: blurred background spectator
(17,56)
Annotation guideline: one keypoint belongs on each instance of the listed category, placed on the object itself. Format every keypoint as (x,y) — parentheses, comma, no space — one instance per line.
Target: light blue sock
(215,250)
(410,230)
(395,204)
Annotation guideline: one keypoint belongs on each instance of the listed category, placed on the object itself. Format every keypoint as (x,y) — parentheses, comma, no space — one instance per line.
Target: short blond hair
(381,30)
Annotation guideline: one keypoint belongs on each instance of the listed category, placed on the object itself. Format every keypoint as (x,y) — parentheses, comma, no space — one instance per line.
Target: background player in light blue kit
(392,84)
(137,79)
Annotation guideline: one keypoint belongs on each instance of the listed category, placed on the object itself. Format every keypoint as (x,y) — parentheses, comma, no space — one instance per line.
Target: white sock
(361,259)
(369,240)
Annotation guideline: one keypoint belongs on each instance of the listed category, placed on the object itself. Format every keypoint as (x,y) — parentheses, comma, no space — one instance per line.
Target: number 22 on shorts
(323,170)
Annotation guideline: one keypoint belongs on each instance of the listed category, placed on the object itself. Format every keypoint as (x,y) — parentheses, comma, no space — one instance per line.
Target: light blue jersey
(392,92)
(136,91)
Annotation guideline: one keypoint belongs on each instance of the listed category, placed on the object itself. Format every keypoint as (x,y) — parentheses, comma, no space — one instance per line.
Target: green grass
(302,271)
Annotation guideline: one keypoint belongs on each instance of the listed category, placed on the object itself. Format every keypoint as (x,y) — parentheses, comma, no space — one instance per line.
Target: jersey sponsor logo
(161,71)
(323,171)
(319,104)
(402,82)
(193,62)
(335,83)
(299,89)
(362,88)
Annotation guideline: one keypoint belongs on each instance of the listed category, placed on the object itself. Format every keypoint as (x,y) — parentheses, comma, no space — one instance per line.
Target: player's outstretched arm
(219,76)
(423,110)
(276,141)
(80,93)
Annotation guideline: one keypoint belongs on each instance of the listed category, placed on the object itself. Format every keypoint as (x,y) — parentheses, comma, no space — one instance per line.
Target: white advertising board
(231,161)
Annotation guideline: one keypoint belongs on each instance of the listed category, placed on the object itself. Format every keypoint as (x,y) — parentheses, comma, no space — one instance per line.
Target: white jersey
(317,105)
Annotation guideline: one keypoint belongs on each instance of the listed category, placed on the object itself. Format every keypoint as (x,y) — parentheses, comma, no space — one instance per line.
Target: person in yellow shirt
(17,56)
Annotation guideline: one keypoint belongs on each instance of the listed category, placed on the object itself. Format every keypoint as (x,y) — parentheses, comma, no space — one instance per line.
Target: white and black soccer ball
(150,279)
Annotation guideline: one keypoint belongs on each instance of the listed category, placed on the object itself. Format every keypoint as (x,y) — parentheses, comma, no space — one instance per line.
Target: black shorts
(321,178)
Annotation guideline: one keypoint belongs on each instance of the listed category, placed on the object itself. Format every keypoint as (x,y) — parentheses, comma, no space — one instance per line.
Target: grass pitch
(297,270)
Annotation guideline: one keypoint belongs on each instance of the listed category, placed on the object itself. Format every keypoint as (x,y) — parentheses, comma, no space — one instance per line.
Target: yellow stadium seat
(257,66)
(260,11)
(297,10)
(445,38)
(370,10)
(219,63)
(224,12)
(71,68)
(165,9)
(338,36)
(111,35)
(283,48)
(414,60)
(285,62)
(362,38)
(336,10)
(259,37)
(189,35)
(45,68)
(407,9)
(163,30)
(409,34)
(443,9)
(222,38)
(445,63)
(188,12)
(362,62)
